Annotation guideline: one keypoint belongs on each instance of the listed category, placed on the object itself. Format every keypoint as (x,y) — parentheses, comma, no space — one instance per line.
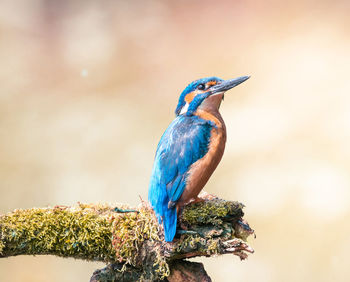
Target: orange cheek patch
(211,83)
(189,97)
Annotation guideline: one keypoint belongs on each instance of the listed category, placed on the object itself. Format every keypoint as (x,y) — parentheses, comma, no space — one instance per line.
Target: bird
(189,150)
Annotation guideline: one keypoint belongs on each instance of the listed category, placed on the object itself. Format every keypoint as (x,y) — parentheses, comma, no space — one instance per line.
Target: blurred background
(88,87)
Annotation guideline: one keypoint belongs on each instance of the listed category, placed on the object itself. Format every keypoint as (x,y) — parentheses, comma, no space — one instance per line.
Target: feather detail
(183,143)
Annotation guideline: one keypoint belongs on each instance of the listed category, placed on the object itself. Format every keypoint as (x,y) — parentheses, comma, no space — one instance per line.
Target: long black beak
(227,84)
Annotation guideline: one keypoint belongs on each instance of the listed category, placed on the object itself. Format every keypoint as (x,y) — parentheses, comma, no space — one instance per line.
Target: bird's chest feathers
(216,144)
(200,171)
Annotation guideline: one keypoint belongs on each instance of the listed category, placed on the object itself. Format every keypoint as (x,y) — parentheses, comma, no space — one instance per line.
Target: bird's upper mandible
(189,150)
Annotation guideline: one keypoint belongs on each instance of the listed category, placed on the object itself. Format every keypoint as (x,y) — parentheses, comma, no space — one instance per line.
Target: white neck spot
(184,109)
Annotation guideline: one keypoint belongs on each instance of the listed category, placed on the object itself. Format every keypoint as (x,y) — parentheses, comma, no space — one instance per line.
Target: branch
(132,242)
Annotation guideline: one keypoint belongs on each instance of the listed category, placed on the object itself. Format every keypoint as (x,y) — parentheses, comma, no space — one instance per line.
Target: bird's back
(185,141)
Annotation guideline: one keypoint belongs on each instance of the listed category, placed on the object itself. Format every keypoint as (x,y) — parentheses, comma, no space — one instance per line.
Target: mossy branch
(132,242)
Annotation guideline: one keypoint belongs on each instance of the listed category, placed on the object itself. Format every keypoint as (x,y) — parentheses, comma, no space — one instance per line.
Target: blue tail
(159,199)
(169,223)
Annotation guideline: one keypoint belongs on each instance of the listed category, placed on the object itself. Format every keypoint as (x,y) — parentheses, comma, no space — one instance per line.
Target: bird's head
(205,91)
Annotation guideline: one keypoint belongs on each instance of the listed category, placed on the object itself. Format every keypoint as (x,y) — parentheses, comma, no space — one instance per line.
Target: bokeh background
(88,87)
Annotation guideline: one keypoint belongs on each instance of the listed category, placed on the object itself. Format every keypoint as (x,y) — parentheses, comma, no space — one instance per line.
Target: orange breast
(202,169)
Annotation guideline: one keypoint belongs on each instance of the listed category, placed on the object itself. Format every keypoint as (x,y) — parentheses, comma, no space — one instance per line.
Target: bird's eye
(201,86)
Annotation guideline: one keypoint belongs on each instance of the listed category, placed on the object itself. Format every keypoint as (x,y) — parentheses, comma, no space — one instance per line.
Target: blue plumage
(186,141)
(191,87)
(182,144)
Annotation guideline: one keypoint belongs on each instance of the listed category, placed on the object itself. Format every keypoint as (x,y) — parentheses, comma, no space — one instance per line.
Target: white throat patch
(184,109)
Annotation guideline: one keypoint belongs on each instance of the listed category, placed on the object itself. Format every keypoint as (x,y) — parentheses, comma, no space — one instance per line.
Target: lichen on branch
(132,240)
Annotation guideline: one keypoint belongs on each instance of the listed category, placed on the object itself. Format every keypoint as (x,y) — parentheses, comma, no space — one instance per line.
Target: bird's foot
(181,205)
(196,200)
(206,196)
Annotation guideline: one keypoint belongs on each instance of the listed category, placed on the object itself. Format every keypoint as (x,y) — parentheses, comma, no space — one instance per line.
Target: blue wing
(183,143)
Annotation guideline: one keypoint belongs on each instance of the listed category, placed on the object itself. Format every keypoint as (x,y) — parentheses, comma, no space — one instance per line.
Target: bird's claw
(206,196)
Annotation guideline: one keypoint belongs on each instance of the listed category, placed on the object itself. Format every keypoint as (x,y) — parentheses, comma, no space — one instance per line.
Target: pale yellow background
(88,87)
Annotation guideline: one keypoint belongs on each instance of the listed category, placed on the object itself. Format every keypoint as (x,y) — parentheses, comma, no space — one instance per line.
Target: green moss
(188,243)
(130,232)
(79,231)
(214,221)
(211,212)
(132,240)
(212,246)
(2,246)
(90,232)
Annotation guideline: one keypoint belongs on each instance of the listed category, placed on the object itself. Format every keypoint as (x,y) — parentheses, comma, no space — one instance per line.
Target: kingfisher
(189,150)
